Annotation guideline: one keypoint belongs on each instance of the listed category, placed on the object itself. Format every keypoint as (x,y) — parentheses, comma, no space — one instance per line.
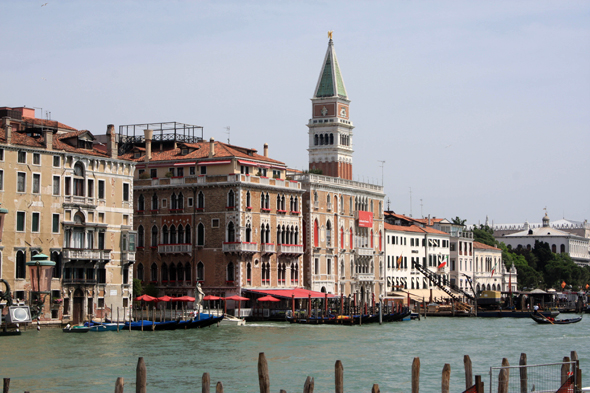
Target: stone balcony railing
(205,179)
(240,247)
(128,256)
(293,249)
(364,251)
(267,248)
(175,249)
(364,276)
(80,200)
(78,253)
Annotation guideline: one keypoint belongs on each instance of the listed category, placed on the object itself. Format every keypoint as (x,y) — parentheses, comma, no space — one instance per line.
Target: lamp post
(40,269)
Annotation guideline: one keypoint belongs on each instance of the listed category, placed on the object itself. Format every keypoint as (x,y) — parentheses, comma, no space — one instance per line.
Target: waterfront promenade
(51,361)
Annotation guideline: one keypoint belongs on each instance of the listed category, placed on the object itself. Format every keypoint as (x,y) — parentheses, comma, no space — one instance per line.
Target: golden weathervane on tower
(330,34)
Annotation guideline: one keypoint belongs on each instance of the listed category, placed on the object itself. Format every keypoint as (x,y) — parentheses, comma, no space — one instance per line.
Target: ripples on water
(50,361)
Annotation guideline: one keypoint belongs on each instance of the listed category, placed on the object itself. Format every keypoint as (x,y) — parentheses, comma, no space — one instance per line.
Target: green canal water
(51,361)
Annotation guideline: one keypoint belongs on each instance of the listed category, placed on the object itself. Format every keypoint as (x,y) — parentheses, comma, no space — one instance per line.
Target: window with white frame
(22,157)
(36,159)
(21,182)
(36,183)
(35,224)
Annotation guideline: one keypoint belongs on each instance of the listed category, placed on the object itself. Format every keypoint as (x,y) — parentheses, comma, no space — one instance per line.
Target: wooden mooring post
(119,385)
(141,377)
(468,372)
(416,375)
(308,387)
(339,377)
(565,369)
(263,379)
(205,383)
(6,385)
(504,377)
(446,378)
(523,374)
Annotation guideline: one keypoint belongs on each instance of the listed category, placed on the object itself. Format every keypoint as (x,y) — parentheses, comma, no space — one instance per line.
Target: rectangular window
(22,157)
(153,173)
(55,223)
(171,170)
(101,190)
(215,223)
(190,202)
(191,171)
(90,188)
(21,181)
(141,172)
(36,159)
(1,154)
(56,187)
(20,221)
(1,180)
(68,185)
(56,161)
(35,222)
(101,240)
(36,183)
(180,172)
(203,170)
(126,192)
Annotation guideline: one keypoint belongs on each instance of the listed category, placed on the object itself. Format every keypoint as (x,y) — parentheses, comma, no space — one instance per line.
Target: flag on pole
(494,269)
(399,261)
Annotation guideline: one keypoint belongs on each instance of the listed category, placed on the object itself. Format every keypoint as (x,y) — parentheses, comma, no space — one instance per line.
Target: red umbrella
(146,298)
(268,299)
(182,299)
(211,297)
(164,298)
(237,298)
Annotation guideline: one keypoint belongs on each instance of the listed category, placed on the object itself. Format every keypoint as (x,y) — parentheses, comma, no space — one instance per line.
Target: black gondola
(550,321)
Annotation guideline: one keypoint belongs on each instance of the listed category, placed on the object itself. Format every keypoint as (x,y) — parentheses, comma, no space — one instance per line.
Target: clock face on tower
(343,112)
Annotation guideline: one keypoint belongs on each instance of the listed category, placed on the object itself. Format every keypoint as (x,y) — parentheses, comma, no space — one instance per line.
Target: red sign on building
(365,219)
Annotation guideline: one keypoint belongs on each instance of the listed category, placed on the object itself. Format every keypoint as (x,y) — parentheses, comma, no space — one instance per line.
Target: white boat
(231,320)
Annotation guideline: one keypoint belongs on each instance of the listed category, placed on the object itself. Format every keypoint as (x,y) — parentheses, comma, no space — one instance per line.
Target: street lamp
(41,272)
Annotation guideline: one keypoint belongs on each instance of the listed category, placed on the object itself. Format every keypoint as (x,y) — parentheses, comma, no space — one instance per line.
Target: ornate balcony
(240,247)
(127,256)
(364,251)
(364,276)
(175,249)
(78,253)
(267,248)
(290,249)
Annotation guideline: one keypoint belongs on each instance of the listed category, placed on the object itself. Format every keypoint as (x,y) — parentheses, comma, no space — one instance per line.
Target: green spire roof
(330,83)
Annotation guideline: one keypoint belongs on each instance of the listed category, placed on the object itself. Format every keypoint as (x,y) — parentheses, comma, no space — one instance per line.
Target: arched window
(380,241)
(164,268)
(79,179)
(230,271)
(200,200)
(180,272)
(328,233)
(249,273)
(173,239)
(279,202)
(56,257)
(180,201)
(231,199)
(371,238)
(200,271)
(231,232)
(165,237)
(139,272)
(316,233)
(315,138)
(187,235)
(187,271)
(331,139)
(296,235)
(248,199)
(342,272)
(321,139)
(154,242)
(268,233)
(173,201)
(351,238)
(154,272)
(141,203)
(140,236)
(267,202)
(154,202)
(172,272)
(248,232)
(562,248)
(181,235)
(200,234)
(553,248)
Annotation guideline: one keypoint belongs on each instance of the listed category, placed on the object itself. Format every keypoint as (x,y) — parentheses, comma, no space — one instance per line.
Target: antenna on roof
(227,132)
(382,165)
(388,205)
(410,201)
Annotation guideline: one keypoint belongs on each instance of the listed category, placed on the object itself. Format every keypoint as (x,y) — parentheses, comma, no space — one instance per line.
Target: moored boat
(76,329)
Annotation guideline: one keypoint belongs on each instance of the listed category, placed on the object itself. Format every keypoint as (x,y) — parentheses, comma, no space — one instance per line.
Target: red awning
(251,163)
(299,293)
(237,298)
(221,162)
(185,163)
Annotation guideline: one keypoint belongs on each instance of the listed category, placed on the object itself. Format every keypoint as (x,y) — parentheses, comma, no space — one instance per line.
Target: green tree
(485,235)
(150,290)
(458,221)
(137,287)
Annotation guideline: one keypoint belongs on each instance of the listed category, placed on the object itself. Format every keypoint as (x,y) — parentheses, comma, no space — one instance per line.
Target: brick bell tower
(330,128)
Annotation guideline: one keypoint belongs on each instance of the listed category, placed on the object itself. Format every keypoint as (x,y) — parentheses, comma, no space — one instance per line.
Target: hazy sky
(481,108)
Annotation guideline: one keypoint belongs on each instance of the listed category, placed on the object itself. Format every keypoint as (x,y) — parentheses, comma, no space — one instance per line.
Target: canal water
(51,361)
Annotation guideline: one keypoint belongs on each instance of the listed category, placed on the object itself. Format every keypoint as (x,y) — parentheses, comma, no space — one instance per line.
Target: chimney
(8,129)
(211,148)
(428,220)
(112,147)
(149,134)
(266,149)
(48,136)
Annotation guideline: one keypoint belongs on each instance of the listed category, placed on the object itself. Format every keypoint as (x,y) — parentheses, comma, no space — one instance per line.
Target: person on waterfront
(536,308)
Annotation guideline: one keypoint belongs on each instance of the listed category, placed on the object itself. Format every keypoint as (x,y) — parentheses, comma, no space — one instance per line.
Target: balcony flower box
(140,211)
(57,301)
(228,282)
(281,212)
(265,210)
(154,211)
(230,207)
(248,207)
(200,209)
(295,212)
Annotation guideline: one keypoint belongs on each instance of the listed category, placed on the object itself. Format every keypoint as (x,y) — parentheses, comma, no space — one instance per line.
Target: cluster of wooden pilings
(471,386)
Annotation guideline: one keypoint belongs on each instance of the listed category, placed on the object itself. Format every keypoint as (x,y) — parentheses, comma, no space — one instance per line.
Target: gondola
(204,321)
(546,321)
(76,329)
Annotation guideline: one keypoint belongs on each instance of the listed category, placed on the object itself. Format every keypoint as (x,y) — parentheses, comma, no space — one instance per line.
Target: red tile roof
(46,123)
(414,229)
(222,150)
(484,246)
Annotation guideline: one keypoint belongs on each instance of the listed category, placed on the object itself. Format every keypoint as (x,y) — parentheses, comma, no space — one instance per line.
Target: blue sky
(481,108)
